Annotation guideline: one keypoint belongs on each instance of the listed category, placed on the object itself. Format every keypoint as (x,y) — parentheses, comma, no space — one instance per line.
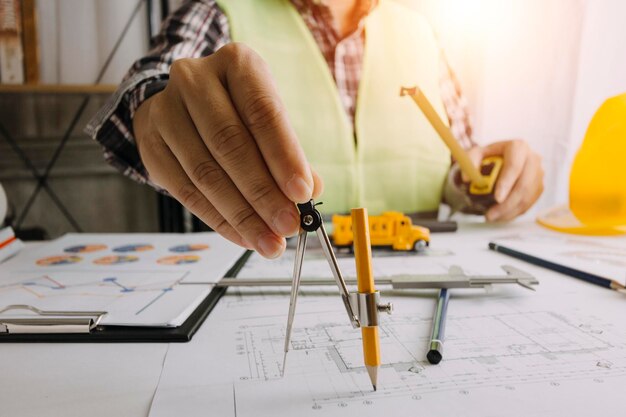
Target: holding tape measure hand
(519,182)
(501,180)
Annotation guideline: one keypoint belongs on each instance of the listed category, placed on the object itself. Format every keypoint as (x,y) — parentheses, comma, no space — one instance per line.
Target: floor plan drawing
(499,349)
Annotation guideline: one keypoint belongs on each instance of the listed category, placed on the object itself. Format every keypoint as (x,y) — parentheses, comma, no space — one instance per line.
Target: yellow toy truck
(390,229)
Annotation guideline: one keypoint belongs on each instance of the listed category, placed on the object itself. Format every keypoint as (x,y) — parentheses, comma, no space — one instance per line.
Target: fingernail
(269,246)
(299,190)
(286,222)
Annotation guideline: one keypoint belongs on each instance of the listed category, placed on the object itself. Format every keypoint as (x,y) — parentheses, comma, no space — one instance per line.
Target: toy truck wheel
(420,245)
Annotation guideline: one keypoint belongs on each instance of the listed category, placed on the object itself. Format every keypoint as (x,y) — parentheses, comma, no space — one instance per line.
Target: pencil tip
(372,371)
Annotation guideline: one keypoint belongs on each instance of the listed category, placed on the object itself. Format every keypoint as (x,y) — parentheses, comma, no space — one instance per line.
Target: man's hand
(520,182)
(219,141)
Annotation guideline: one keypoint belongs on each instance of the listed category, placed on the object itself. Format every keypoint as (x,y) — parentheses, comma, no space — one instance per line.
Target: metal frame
(42,178)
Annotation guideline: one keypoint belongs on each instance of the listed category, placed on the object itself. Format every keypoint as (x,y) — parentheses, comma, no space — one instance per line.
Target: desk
(121,379)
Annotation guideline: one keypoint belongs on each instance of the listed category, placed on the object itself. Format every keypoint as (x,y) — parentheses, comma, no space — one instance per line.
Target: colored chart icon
(85,248)
(140,247)
(179,260)
(59,260)
(116,260)
(189,248)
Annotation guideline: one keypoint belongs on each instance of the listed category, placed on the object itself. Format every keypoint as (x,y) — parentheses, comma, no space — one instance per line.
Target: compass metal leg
(295,286)
(334,267)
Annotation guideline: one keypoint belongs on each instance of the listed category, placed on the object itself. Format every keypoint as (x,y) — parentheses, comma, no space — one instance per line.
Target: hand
(217,138)
(520,182)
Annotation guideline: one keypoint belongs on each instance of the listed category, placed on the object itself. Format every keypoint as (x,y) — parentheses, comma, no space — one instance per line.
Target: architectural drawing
(499,349)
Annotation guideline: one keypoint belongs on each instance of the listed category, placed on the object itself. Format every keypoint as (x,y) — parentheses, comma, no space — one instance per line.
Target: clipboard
(84,326)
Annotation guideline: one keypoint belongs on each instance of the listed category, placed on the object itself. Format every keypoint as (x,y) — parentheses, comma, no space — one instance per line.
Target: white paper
(385,263)
(129,298)
(202,257)
(79,379)
(134,278)
(508,351)
(500,350)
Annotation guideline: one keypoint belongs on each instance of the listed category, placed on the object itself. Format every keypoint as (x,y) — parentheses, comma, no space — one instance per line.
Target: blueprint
(508,351)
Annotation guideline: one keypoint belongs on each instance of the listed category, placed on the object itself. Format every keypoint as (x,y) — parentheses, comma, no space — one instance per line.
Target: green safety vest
(397,161)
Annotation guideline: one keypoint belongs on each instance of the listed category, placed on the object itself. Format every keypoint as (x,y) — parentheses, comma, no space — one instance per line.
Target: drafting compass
(362,309)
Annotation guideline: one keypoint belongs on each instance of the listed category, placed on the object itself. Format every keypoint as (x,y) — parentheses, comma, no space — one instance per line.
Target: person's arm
(185,34)
(201,118)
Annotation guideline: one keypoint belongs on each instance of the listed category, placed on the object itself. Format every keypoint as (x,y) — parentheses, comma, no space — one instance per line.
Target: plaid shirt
(198,29)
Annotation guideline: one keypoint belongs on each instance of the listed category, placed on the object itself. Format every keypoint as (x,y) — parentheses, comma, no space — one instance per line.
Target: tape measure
(483,180)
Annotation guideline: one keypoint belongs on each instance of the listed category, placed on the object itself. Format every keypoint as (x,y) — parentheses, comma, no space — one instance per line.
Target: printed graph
(137,292)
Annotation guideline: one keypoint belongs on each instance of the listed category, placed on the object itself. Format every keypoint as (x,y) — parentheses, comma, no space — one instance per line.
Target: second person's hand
(218,139)
(520,183)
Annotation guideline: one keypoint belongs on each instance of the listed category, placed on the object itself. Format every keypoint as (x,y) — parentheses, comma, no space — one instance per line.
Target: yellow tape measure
(490,168)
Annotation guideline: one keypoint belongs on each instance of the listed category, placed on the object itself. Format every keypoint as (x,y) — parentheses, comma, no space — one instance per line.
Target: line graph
(54,284)
(137,291)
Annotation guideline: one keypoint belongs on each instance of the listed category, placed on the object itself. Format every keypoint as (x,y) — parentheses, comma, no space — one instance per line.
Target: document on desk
(138,279)
(385,264)
(509,352)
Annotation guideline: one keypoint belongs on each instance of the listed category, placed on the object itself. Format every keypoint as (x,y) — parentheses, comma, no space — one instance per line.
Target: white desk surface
(119,379)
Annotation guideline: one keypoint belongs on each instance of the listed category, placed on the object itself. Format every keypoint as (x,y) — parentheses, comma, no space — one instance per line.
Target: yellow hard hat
(597,190)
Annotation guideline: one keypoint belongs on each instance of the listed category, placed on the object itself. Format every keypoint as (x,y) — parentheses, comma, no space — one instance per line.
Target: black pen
(576,273)
(435,347)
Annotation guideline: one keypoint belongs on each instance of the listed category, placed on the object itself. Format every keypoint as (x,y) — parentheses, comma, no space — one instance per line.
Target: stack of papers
(9,244)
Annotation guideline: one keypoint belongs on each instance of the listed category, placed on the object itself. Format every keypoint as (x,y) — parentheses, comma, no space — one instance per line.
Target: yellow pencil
(466,164)
(365,284)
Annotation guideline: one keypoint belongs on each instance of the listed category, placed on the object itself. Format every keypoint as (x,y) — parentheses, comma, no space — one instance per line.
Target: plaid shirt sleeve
(198,28)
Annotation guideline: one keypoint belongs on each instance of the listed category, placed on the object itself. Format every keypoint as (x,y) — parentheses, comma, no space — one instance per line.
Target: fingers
(515,154)
(523,194)
(520,182)
(263,113)
(217,187)
(226,150)
(235,149)
(172,177)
